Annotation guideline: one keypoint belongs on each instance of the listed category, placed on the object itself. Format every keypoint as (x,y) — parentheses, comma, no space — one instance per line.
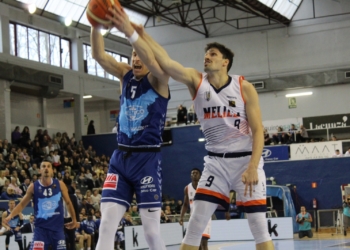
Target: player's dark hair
(196,169)
(226,52)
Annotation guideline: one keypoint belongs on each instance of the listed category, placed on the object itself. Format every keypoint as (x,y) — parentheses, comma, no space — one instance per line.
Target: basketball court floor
(319,241)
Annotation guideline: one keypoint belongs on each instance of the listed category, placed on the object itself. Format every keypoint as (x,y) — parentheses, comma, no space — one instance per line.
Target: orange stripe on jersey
(251,203)
(212,193)
(241,78)
(200,83)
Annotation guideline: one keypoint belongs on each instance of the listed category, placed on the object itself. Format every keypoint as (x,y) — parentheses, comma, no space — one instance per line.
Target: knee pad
(258,227)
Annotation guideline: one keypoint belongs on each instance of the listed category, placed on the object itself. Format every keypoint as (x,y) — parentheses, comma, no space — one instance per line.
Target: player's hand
(250,179)
(6,220)
(71,225)
(181,221)
(139,28)
(227,215)
(17,229)
(120,20)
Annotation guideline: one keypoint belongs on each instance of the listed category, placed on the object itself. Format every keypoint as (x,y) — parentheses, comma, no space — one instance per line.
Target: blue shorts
(134,172)
(43,238)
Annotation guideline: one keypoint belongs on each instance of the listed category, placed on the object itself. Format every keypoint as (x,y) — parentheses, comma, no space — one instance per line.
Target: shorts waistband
(230,155)
(129,149)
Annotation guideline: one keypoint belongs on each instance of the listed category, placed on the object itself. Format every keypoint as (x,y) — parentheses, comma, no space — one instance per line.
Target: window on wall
(93,68)
(40,46)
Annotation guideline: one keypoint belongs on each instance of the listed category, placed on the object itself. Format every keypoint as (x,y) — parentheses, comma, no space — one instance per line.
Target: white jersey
(191,192)
(222,115)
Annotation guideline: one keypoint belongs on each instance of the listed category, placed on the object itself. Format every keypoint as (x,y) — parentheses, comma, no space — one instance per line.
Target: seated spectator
(181,115)
(96,198)
(2,179)
(280,137)
(134,212)
(82,237)
(292,134)
(66,178)
(2,162)
(25,185)
(10,194)
(56,160)
(13,185)
(267,139)
(28,227)
(25,136)
(302,135)
(334,138)
(347,153)
(5,186)
(164,218)
(178,206)
(337,153)
(167,210)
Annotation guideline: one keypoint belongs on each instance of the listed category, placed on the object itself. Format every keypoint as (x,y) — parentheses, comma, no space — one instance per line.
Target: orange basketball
(97,10)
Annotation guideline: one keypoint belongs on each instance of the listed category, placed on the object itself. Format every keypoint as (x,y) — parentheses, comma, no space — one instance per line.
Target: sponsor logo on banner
(327,121)
(135,242)
(111,182)
(275,153)
(272,229)
(316,150)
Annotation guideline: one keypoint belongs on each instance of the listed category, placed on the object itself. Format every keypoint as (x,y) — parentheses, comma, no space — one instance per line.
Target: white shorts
(207,230)
(221,175)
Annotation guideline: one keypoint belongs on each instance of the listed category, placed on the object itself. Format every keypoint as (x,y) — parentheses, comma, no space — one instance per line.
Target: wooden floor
(324,240)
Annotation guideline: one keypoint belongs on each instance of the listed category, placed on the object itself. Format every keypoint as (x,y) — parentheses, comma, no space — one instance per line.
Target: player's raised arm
(121,21)
(107,62)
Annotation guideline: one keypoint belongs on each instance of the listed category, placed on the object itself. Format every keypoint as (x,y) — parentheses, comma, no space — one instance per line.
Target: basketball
(97,10)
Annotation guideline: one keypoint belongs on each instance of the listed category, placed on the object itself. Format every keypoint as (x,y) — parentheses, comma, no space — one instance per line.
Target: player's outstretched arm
(178,72)
(107,62)
(64,191)
(24,202)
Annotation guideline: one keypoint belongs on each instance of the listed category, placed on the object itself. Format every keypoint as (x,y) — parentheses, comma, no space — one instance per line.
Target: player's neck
(46,181)
(217,79)
(194,184)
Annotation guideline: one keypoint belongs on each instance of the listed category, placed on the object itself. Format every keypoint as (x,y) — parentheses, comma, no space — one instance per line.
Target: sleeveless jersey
(191,192)
(13,223)
(222,115)
(142,113)
(48,206)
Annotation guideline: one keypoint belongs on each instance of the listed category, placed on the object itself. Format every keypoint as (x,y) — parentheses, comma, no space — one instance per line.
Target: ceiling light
(87,96)
(201,139)
(67,21)
(299,94)
(31,8)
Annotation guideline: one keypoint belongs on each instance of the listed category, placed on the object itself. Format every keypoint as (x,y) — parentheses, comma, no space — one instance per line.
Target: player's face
(46,169)
(12,205)
(195,175)
(214,61)
(302,209)
(138,67)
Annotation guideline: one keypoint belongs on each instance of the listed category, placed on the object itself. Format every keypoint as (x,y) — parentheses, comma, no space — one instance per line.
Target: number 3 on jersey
(47,192)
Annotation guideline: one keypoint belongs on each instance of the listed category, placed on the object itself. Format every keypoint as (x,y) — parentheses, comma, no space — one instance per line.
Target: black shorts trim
(253,209)
(130,149)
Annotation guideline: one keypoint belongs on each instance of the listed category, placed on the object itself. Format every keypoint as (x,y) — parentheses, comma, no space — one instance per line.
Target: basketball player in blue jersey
(135,166)
(14,226)
(47,194)
(228,110)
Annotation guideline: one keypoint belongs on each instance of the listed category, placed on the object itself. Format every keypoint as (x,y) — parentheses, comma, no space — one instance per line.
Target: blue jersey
(14,222)
(48,206)
(88,226)
(142,113)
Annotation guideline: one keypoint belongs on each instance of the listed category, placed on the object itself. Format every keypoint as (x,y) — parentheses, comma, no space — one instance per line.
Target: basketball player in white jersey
(189,192)
(224,104)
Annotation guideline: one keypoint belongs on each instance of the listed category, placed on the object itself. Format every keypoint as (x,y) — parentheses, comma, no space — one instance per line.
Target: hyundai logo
(266,153)
(146,180)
